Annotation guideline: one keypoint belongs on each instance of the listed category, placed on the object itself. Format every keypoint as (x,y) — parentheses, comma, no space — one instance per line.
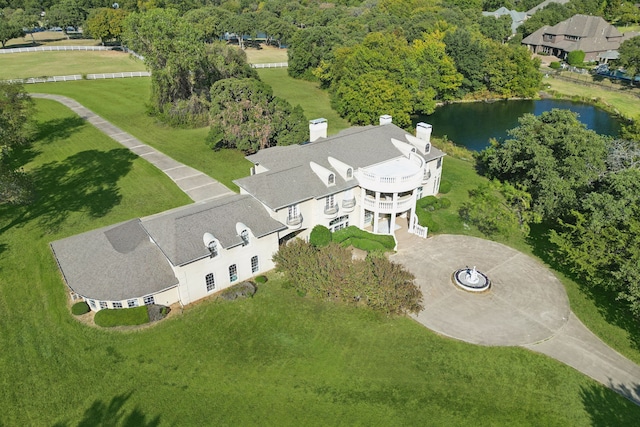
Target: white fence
(53,48)
(75,77)
(272,65)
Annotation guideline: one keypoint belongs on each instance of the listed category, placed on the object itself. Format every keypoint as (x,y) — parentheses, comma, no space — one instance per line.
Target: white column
(376,212)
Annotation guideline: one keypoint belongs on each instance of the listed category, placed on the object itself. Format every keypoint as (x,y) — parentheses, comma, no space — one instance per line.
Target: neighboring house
(544,4)
(517,18)
(590,34)
(368,176)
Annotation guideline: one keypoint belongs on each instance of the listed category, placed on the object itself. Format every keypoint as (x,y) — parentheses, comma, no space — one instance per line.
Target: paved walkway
(526,306)
(195,184)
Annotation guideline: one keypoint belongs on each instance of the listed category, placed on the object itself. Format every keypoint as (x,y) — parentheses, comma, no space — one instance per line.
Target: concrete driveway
(526,306)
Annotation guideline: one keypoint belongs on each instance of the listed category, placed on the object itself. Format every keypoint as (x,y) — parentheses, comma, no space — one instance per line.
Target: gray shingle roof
(179,232)
(290,179)
(113,263)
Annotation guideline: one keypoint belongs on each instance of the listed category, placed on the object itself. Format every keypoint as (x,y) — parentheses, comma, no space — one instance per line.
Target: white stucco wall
(192,276)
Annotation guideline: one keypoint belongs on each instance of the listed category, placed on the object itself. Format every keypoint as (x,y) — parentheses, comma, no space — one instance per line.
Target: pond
(472,124)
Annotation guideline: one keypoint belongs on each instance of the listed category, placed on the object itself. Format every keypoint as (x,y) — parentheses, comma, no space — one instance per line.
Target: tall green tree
(9,27)
(16,109)
(630,56)
(552,156)
(67,13)
(245,115)
(105,23)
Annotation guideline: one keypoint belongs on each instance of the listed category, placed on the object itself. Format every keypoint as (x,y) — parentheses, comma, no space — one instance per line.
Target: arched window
(332,179)
(349,173)
(244,235)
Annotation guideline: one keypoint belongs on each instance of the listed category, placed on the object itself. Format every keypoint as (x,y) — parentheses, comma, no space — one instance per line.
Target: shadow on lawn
(84,182)
(44,133)
(612,310)
(607,409)
(113,414)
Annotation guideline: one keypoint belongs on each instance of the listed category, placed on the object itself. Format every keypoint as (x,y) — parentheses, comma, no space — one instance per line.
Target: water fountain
(471,280)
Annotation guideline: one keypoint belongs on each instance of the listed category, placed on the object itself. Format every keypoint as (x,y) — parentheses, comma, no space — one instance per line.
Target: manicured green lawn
(39,64)
(623,101)
(266,55)
(122,102)
(275,359)
(308,95)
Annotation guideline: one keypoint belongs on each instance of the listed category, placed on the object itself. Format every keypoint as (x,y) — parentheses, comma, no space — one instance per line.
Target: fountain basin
(471,280)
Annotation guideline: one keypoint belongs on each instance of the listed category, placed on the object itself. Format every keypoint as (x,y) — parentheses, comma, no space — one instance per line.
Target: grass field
(308,95)
(621,100)
(266,55)
(122,102)
(39,64)
(275,359)
(51,38)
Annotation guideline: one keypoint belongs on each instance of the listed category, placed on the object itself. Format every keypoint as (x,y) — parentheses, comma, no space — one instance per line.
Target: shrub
(426,220)
(122,317)
(330,273)
(80,308)
(445,186)
(575,57)
(241,290)
(348,235)
(320,236)
(261,279)
(555,65)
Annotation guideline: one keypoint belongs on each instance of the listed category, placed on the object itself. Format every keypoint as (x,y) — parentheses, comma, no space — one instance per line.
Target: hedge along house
(181,255)
(367,176)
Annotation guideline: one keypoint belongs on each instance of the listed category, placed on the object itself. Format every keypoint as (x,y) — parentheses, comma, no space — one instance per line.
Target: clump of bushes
(122,317)
(555,65)
(261,279)
(353,236)
(330,273)
(445,186)
(241,290)
(80,308)
(320,236)
(429,204)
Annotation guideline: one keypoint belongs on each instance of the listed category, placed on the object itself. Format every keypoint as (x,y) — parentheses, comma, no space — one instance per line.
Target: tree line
(583,187)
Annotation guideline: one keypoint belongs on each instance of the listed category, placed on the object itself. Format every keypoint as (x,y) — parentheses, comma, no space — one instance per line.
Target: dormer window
(332,179)
(427,148)
(244,235)
(349,173)
(213,249)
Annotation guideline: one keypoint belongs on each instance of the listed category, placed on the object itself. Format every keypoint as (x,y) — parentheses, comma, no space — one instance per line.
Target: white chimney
(317,129)
(385,120)
(423,132)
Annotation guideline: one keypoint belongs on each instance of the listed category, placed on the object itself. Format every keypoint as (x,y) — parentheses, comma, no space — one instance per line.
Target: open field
(266,55)
(275,359)
(311,98)
(623,101)
(122,102)
(628,28)
(39,64)
(51,38)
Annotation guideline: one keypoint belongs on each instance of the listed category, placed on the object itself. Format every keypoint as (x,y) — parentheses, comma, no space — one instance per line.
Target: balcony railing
(331,210)
(293,221)
(387,206)
(349,203)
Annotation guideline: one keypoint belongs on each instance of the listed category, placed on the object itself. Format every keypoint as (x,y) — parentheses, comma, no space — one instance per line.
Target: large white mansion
(367,176)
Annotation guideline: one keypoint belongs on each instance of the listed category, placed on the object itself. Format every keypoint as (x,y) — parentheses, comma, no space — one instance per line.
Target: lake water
(473,124)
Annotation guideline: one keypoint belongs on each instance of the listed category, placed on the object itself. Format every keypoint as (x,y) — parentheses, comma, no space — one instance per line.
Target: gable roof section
(290,179)
(113,263)
(179,232)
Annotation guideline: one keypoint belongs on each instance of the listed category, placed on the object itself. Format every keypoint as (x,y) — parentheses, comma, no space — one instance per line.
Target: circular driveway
(526,303)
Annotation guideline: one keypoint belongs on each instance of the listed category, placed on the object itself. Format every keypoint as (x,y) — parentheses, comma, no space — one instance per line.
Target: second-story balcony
(294,222)
(388,205)
(348,204)
(331,211)
(393,176)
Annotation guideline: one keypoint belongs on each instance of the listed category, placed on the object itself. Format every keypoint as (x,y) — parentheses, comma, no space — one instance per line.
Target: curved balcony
(331,211)
(348,205)
(294,222)
(395,176)
(389,206)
